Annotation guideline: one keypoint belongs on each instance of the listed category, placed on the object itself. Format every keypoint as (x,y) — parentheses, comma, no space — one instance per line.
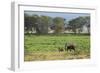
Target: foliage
(78,23)
(47,44)
(59,24)
(42,24)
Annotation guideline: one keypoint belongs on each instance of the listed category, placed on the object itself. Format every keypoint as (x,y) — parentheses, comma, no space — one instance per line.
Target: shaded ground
(55,56)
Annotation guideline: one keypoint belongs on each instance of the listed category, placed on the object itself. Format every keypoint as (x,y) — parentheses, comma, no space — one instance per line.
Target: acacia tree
(78,23)
(31,23)
(84,21)
(59,24)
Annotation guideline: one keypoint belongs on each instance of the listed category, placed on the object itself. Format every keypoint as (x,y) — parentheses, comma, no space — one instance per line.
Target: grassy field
(45,47)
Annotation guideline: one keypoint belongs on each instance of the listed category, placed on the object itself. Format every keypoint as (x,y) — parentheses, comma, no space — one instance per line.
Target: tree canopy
(43,24)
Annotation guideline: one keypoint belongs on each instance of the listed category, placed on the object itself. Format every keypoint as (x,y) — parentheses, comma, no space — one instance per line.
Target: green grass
(45,47)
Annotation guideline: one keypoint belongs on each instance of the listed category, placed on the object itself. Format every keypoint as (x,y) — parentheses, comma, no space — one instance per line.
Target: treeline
(46,24)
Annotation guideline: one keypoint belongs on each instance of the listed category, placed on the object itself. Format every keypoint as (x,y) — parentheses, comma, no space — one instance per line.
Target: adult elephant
(69,47)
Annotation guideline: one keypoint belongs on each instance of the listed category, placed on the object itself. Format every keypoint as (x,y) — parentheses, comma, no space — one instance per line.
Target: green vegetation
(45,47)
(45,37)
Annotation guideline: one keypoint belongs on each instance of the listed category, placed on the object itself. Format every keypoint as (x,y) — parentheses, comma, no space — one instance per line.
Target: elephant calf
(60,49)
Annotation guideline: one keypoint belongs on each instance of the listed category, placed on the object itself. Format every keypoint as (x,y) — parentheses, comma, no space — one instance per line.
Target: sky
(67,16)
